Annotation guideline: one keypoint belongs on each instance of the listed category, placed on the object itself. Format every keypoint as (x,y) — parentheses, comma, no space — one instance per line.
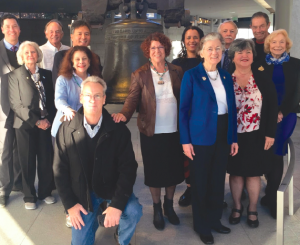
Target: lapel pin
(224,77)
(204,78)
(261,68)
(27,77)
(43,77)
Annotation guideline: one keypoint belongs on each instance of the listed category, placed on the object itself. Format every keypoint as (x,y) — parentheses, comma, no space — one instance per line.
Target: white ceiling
(222,9)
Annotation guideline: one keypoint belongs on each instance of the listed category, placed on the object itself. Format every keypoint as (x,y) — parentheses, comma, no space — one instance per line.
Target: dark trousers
(34,145)
(207,172)
(274,178)
(10,170)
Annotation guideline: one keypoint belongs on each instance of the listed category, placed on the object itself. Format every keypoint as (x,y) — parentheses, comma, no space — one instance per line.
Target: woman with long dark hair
(188,59)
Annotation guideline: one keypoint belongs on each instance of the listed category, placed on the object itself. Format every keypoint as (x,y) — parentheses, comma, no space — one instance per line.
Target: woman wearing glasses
(207,118)
(155,88)
(78,63)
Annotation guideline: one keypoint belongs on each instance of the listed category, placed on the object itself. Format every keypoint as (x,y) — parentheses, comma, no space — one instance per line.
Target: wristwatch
(38,123)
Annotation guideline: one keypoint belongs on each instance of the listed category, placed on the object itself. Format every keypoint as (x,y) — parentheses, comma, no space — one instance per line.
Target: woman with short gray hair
(256,105)
(31,98)
(207,119)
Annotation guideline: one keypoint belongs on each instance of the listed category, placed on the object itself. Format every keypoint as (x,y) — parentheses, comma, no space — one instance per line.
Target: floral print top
(248,105)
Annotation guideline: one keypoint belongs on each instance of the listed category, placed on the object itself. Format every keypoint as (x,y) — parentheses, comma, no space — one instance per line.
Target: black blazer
(114,171)
(231,67)
(24,97)
(291,70)
(269,110)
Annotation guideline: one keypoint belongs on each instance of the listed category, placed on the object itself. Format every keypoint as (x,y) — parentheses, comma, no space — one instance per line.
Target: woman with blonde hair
(285,73)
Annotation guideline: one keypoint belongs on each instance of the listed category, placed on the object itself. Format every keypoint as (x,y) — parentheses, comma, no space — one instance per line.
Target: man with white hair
(94,162)
(54,33)
(228,30)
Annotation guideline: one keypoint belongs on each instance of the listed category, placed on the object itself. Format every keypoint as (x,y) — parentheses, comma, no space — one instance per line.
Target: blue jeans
(129,219)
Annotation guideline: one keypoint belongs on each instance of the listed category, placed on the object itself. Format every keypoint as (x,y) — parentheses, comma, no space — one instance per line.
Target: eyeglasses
(89,97)
(158,48)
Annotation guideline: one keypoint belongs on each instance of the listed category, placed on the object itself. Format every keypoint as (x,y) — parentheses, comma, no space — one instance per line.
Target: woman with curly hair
(155,88)
(78,63)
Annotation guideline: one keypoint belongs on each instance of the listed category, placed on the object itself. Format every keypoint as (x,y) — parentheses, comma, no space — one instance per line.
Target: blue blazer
(198,111)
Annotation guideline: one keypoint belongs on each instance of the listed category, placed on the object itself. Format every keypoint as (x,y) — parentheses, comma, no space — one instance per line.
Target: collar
(92,132)
(36,68)
(107,123)
(53,47)
(8,45)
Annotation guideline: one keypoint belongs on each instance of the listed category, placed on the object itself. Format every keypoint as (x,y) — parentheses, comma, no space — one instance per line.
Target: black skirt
(163,159)
(249,161)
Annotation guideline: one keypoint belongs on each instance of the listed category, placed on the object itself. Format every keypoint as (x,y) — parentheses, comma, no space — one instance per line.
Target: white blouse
(166,105)
(219,92)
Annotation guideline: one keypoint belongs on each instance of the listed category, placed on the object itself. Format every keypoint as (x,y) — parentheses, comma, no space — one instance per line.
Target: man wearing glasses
(260,24)
(54,33)
(94,162)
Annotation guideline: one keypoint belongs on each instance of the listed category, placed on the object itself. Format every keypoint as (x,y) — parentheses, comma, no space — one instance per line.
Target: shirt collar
(92,132)
(8,45)
(36,68)
(52,47)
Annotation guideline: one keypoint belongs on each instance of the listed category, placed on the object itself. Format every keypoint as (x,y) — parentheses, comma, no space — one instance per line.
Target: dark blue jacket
(198,111)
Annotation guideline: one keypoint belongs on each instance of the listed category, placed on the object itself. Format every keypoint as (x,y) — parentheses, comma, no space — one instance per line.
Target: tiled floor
(46,225)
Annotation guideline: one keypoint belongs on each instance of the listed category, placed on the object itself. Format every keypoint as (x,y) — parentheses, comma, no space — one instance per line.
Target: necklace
(160,82)
(214,79)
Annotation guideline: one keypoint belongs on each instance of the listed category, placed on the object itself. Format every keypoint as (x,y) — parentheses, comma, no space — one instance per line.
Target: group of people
(224,105)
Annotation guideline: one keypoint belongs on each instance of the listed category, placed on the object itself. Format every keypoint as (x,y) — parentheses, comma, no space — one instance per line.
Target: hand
(118,117)
(234,149)
(112,217)
(44,124)
(280,117)
(75,216)
(69,114)
(269,142)
(188,150)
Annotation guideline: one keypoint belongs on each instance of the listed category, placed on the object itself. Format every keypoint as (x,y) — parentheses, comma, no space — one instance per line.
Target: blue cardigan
(198,111)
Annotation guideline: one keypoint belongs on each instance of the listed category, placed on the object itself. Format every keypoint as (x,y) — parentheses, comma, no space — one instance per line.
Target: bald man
(54,33)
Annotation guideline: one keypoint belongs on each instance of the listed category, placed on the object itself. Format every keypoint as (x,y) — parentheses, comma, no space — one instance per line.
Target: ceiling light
(265,5)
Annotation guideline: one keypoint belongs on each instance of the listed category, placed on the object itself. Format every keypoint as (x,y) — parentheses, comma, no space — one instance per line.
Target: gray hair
(228,21)
(210,37)
(239,45)
(94,79)
(21,49)
(54,21)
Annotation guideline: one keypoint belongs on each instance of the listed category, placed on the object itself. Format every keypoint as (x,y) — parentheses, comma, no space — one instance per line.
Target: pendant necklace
(214,79)
(160,82)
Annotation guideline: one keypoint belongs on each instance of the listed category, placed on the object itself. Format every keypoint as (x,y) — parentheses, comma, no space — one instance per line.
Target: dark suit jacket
(291,70)
(269,110)
(114,171)
(142,94)
(198,112)
(231,67)
(5,68)
(56,65)
(24,97)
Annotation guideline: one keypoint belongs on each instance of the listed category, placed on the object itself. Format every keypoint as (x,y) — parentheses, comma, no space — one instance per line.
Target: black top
(91,147)
(260,53)
(114,171)
(12,57)
(186,63)
(291,70)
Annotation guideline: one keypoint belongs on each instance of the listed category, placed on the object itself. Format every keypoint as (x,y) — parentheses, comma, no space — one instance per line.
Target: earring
(150,59)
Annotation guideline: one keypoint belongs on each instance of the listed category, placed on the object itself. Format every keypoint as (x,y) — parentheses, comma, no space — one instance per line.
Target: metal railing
(287,183)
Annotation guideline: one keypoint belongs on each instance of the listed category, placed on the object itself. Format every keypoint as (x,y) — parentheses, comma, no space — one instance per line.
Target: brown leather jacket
(142,93)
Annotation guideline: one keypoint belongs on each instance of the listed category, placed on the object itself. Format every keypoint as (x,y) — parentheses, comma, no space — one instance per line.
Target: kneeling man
(94,162)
